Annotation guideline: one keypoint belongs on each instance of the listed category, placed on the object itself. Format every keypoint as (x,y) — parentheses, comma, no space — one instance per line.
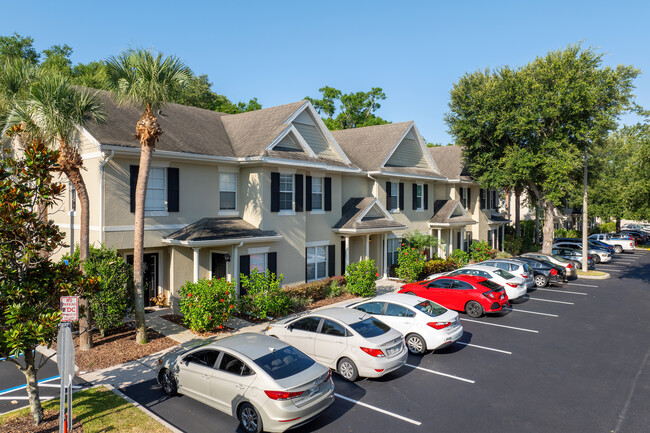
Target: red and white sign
(69,308)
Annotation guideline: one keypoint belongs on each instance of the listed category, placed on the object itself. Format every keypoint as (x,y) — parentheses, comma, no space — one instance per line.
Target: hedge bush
(207,304)
(461,257)
(360,277)
(437,266)
(318,290)
(264,297)
(513,244)
(479,251)
(411,263)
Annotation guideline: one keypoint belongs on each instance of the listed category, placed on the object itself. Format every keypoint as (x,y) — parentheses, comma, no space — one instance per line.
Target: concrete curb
(594,277)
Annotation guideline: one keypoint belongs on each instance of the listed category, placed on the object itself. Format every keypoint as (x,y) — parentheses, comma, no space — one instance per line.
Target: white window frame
(321,182)
(394,195)
(317,265)
(419,188)
(222,185)
(259,256)
(162,209)
(291,209)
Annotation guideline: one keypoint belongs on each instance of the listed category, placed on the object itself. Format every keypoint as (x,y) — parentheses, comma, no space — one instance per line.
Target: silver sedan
(265,383)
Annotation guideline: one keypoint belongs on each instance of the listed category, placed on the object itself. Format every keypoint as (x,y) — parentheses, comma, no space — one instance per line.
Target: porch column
(384,242)
(462,238)
(196,264)
(347,252)
(451,242)
(367,247)
(503,235)
(440,242)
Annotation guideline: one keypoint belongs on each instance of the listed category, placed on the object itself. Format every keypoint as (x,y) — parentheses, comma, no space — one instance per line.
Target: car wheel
(596,258)
(416,344)
(348,370)
(541,280)
(618,249)
(168,383)
(474,309)
(250,419)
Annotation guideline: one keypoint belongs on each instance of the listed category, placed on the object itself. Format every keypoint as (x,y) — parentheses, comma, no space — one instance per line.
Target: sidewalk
(144,369)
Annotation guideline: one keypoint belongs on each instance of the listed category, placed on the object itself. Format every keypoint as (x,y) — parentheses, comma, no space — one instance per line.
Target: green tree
(148,81)
(18,47)
(421,241)
(53,111)
(16,76)
(30,283)
(92,74)
(57,60)
(356,109)
(198,93)
(533,124)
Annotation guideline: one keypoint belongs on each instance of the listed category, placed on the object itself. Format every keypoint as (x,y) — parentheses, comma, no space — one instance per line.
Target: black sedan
(544,273)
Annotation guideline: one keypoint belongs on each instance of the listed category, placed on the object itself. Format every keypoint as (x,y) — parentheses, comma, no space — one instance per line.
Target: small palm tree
(53,111)
(16,76)
(149,81)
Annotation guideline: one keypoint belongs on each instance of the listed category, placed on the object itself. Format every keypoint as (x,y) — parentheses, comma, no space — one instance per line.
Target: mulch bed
(325,302)
(50,424)
(118,347)
(178,319)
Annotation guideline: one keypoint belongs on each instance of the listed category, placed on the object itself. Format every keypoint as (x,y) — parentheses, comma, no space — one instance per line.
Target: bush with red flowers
(479,251)
(411,263)
(207,304)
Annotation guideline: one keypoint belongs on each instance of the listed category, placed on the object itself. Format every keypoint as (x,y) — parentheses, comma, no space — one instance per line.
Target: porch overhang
(209,232)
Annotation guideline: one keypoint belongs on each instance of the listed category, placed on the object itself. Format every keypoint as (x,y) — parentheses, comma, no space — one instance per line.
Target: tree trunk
(585,227)
(35,408)
(517,215)
(618,224)
(507,204)
(547,231)
(537,224)
(138,243)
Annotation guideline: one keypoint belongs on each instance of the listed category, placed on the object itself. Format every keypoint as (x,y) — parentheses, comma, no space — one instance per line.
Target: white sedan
(515,286)
(424,324)
(349,341)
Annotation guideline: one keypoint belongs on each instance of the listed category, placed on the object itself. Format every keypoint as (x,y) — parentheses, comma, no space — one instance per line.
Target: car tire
(250,419)
(596,258)
(474,309)
(347,370)
(416,344)
(541,280)
(618,249)
(168,383)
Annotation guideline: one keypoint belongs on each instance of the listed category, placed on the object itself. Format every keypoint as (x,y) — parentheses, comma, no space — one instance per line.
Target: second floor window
(394,196)
(155,200)
(227,191)
(418,197)
(286,192)
(317,193)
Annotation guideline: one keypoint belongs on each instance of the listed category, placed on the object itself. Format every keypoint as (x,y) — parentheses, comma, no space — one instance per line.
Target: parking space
(563,358)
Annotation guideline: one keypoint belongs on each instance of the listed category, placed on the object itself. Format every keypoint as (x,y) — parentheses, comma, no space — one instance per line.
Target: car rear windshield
(370,328)
(430,308)
(503,274)
(490,285)
(284,362)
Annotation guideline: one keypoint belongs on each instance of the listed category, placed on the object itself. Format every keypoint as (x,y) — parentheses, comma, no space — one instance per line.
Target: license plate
(393,350)
(313,390)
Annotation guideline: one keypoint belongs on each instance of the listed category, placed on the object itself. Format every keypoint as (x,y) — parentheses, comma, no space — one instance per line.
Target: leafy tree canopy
(16,46)
(356,109)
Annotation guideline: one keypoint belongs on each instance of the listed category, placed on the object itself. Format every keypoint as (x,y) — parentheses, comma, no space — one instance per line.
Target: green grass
(99,410)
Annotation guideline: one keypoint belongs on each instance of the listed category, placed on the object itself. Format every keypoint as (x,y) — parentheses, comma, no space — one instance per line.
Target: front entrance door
(218,265)
(149,276)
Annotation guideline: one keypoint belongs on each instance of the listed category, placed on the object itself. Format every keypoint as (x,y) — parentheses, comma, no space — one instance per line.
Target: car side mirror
(290,327)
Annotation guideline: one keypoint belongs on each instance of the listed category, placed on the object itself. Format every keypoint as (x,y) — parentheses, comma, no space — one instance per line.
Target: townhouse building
(270,189)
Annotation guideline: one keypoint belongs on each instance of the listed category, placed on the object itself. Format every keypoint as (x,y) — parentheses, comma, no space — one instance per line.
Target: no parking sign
(69,308)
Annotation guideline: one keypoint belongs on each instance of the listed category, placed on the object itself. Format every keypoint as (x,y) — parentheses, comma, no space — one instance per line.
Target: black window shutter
(388,196)
(306,265)
(328,193)
(308,193)
(343,258)
(272,265)
(275,192)
(298,192)
(461,193)
(469,199)
(134,181)
(401,196)
(415,196)
(244,269)
(494,199)
(426,196)
(172,190)
(331,264)
(459,240)
(488,204)
(482,198)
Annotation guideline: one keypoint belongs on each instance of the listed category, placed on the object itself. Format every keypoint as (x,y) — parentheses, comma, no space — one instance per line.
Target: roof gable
(410,151)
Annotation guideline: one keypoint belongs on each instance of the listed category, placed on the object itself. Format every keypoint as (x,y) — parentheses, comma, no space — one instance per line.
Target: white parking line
(502,326)
(563,291)
(483,347)
(549,300)
(534,312)
(439,373)
(26,398)
(403,418)
(582,285)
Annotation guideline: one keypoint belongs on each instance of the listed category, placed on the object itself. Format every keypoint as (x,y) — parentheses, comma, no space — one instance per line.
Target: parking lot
(572,358)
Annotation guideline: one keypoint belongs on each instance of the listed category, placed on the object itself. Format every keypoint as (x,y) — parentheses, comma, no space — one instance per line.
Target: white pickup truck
(619,245)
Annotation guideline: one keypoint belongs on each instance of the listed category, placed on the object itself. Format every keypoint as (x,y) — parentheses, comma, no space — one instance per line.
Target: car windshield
(370,328)
(503,274)
(490,285)
(284,362)
(558,258)
(430,308)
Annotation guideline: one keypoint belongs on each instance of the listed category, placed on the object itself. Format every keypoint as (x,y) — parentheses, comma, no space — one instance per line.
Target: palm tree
(54,110)
(139,77)
(16,75)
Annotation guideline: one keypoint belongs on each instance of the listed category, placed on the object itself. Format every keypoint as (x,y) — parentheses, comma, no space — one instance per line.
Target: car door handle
(205,376)
(240,386)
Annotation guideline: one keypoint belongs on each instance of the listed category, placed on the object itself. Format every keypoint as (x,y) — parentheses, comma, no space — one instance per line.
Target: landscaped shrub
(411,263)
(317,290)
(207,304)
(438,266)
(360,277)
(503,255)
(527,233)
(264,297)
(564,233)
(114,298)
(607,227)
(512,244)
(420,241)
(460,256)
(479,251)
(494,252)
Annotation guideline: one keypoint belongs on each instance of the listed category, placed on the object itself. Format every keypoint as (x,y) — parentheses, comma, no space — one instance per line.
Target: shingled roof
(369,146)
(218,231)
(443,214)
(351,217)
(450,162)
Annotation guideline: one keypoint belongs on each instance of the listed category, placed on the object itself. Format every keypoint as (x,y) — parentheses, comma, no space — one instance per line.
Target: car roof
(345,315)
(250,344)
(466,278)
(479,266)
(401,298)
(513,261)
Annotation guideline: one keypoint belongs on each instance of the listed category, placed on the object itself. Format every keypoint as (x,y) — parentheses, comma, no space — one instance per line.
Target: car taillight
(512,284)
(569,266)
(490,295)
(524,276)
(439,325)
(282,395)
(631,244)
(377,353)
(553,271)
(329,375)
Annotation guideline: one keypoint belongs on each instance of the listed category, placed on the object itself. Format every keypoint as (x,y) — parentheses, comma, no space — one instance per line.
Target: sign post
(65,358)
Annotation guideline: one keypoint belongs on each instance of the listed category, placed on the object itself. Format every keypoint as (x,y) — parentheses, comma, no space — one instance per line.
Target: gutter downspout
(101,193)
(236,265)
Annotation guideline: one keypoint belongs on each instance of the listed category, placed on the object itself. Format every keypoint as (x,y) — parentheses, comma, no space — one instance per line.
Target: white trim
(230,241)
(317,212)
(92,155)
(443,225)
(260,250)
(286,212)
(90,138)
(301,141)
(393,175)
(317,244)
(396,145)
(381,208)
(373,230)
(425,150)
(156,213)
(77,227)
(146,227)
(228,213)
(308,164)
(180,155)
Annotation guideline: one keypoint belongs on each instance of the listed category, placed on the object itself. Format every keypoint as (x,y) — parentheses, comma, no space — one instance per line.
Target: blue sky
(281,51)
